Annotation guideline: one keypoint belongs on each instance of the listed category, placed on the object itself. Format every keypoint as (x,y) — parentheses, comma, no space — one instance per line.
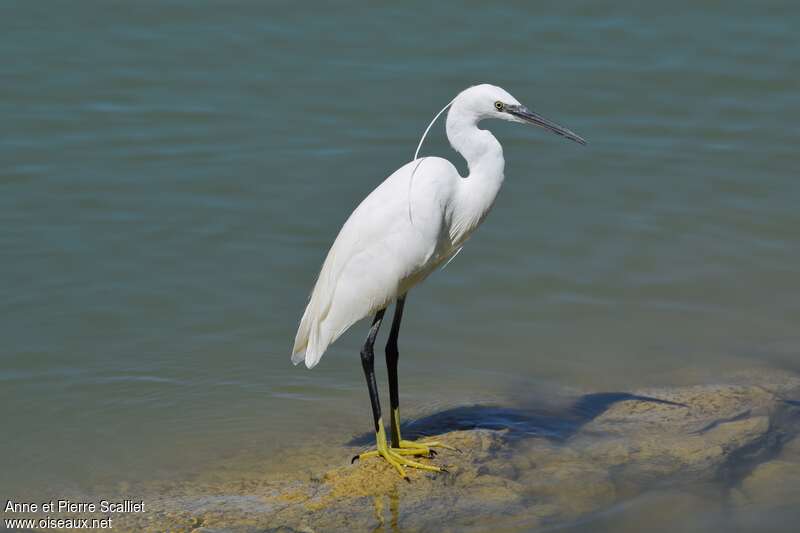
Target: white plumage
(411,223)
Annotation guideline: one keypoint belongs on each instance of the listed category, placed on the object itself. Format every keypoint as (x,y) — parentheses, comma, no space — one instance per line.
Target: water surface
(172,174)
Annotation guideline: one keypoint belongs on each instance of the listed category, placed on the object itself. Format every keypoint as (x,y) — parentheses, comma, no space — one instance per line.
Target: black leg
(368,362)
(392,355)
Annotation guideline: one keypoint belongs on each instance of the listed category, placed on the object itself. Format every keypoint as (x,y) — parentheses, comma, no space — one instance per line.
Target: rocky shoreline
(737,436)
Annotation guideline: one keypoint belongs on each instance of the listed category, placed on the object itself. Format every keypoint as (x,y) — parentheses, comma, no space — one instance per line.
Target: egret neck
(484,156)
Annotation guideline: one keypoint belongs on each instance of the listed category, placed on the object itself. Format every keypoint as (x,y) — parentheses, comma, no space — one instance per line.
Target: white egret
(411,224)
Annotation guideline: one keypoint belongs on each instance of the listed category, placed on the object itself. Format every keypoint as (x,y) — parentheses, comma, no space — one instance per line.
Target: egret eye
(498,105)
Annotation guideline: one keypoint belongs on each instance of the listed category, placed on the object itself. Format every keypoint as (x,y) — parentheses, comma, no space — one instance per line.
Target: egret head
(489,101)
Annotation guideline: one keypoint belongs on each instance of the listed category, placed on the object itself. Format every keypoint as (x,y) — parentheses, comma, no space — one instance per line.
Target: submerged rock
(611,447)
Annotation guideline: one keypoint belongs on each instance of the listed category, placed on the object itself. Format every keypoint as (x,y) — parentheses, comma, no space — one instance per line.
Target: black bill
(534,118)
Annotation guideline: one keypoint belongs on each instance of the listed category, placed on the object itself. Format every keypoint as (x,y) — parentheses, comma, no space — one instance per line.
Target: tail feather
(310,344)
(319,328)
(307,337)
(316,347)
(301,339)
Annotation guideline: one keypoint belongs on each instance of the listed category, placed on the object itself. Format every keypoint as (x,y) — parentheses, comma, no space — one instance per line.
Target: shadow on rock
(519,422)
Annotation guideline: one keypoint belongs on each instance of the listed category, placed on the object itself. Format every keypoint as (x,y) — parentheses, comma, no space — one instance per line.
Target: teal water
(172,174)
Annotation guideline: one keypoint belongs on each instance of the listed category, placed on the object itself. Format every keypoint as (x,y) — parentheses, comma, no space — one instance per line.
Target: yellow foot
(425,446)
(398,457)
